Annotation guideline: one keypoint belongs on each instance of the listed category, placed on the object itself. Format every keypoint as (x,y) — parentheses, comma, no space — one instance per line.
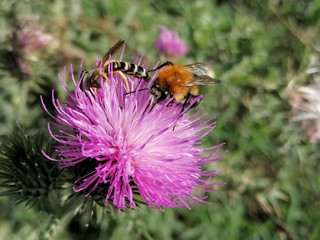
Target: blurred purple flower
(134,148)
(170,45)
(27,37)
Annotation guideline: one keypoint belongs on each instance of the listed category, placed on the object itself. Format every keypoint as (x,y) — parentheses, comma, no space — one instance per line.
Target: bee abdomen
(130,69)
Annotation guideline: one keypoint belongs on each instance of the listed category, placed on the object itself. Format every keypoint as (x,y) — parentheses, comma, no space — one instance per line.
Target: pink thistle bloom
(129,147)
(26,38)
(28,35)
(170,45)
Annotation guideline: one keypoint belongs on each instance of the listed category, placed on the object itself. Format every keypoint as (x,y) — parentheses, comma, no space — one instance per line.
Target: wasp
(119,67)
(180,82)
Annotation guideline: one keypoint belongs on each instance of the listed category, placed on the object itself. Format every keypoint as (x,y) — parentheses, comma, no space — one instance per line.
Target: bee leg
(125,80)
(196,103)
(186,102)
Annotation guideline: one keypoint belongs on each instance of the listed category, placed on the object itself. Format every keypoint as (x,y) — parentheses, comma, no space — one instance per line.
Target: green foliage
(255,47)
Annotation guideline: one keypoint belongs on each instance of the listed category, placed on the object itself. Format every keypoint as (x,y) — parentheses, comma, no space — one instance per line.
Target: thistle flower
(126,147)
(170,45)
(26,38)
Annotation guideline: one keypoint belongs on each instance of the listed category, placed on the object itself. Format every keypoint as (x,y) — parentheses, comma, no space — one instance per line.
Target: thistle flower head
(129,147)
(170,45)
(27,37)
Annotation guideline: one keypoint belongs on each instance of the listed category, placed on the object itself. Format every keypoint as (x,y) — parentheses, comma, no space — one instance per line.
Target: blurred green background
(259,49)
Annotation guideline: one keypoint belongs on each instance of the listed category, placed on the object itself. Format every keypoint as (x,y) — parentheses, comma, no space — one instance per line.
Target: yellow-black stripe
(130,69)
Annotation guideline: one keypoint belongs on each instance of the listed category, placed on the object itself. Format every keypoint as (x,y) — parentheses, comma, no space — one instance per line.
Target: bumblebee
(119,67)
(180,82)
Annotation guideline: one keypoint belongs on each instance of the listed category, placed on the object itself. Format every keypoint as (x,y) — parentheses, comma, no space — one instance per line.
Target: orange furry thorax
(173,78)
(175,74)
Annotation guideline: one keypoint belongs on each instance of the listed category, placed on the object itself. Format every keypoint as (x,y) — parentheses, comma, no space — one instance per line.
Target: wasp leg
(124,78)
(104,75)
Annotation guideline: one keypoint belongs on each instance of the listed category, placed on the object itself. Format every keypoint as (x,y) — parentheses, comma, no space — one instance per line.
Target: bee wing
(197,69)
(202,81)
(112,51)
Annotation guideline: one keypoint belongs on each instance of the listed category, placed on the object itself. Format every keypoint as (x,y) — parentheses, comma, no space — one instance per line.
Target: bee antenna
(161,66)
(139,90)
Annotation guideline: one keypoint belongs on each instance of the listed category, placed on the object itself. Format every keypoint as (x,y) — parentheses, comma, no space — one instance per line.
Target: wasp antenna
(142,89)
(161,66)
(83,73)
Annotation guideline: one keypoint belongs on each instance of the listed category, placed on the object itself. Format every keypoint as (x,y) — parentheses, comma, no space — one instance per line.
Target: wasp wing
(197,69)
(202,81)
(112,51)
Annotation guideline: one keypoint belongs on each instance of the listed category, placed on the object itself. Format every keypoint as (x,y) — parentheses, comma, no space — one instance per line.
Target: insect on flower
(180,82)
(123,149)
(119,67)
(173,81)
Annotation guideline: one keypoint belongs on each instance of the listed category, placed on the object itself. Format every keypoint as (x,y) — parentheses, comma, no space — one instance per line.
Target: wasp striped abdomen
(102,67)
(130,69)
